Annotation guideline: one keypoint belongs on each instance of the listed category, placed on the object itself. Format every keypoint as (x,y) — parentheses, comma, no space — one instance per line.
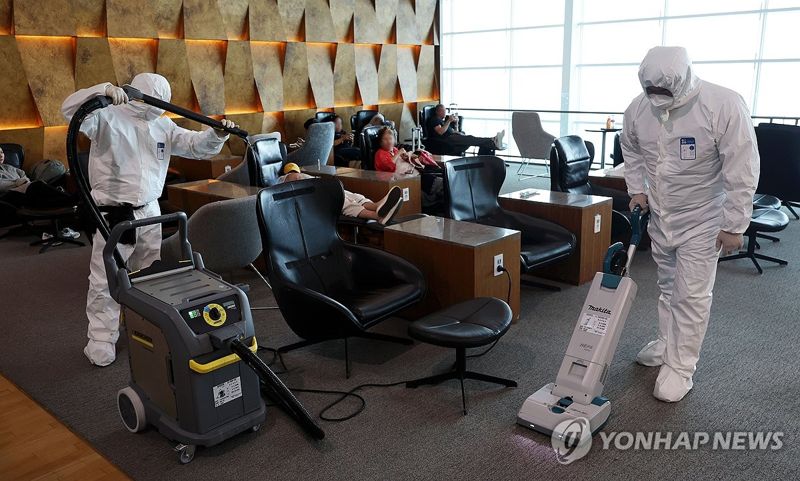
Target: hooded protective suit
(131,147)
(695,157)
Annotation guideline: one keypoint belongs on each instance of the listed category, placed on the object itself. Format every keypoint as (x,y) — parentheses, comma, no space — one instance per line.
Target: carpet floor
(746,381)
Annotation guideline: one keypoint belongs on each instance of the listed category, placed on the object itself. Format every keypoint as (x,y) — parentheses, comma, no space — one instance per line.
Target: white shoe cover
(100,353)
(671,386)
(652,354)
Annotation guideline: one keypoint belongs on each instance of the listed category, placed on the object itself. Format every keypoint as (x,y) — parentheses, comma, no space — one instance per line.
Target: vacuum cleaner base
(543,411)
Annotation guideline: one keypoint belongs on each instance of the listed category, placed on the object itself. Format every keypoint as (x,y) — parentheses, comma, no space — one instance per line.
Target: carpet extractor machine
(195,375)
(577,391)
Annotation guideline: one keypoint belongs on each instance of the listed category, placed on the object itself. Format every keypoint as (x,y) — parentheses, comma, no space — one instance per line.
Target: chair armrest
(383,267)
(313,299)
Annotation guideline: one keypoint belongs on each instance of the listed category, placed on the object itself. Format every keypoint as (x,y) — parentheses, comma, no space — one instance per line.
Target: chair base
(790,205)
(460,372)
(751,254)
(56,239)
(363,335)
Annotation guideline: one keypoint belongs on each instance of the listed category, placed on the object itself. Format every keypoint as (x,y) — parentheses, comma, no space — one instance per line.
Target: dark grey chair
(317,148)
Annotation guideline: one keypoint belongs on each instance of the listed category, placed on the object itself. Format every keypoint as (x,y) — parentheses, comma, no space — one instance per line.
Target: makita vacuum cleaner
(194,373)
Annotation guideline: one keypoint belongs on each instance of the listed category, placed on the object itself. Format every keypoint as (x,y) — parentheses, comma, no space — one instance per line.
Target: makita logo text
(599,309)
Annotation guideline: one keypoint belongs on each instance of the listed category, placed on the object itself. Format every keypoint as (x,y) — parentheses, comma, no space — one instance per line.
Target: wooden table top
(217,188)
(578,201)
(376,176)
(617,172)
(452,231)
(327,170)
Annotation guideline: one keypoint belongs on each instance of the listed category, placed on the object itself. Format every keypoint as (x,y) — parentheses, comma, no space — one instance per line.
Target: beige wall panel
(292,12)
(202,20)
(168,18)
(367,57)
(319,22)
(32,140)
(407,121)
(297,91)
(14,85)
(266,22)
(50,72)
(345,89)
(234,17)
(206,59)
(293,121)
(6,17)
(89,16)
(374,21)
(407,32)
(426,21)
(132,57)
(43,17)
(393,112)
(93,64)
(128,19)
(342,14)
(320,72)
(385,15)
(55,144)
(426,73)
(407,72)
(273,122)
(241,94)
(388,87)
(173,64)
(268,73)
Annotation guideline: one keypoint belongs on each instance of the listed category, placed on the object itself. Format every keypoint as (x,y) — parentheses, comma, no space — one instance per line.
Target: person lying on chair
(356,205)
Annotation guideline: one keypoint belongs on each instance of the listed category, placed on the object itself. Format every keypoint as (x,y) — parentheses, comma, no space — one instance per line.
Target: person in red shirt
(387,156)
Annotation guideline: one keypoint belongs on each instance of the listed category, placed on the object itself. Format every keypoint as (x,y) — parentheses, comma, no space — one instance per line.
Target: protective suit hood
(153,85)
(669,68)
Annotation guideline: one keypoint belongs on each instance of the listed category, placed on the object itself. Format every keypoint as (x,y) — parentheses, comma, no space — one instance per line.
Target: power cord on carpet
(276,356)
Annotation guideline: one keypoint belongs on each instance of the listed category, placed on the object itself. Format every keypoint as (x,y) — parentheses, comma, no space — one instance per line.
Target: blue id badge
(688,148)
(160,148)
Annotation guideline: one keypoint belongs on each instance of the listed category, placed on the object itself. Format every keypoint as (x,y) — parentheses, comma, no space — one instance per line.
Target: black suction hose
(277,390)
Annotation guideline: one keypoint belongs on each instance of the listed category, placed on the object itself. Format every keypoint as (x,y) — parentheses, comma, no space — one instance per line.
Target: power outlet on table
(597,223)
(498,263)
(406,195)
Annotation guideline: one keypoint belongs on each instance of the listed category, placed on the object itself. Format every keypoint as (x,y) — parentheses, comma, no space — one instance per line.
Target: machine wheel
(255,428)
(131,410)
(186,453)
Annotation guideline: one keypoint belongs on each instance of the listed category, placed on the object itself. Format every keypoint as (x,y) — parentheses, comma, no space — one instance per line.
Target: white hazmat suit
(131,147)
(695,157)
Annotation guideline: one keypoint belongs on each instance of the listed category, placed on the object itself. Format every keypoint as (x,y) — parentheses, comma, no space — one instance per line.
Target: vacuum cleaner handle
(136,94)
(110,248)
(638,222)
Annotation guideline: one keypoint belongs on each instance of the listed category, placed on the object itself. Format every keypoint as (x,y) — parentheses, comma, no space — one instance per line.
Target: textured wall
(267,64)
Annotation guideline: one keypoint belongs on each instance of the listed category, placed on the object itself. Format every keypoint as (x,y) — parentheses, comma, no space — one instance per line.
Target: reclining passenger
(356,205)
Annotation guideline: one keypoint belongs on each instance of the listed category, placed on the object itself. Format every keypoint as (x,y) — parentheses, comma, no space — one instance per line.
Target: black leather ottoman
(474,323)
(763,220)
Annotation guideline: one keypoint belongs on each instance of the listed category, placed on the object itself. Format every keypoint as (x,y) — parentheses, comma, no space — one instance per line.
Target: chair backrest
(529,135)
(369,145)
(210,232)
(569,165)
(324,116)
(472,185)
(779,149)
(361,118)
(265,160)
(424,115)
(14,154)
(297,221)
(318,145)
(618,159)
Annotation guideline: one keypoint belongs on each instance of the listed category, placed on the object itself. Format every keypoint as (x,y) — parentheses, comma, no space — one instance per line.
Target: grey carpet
(746,381)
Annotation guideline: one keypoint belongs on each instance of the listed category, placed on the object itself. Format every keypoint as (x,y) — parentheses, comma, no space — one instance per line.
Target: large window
(583,55)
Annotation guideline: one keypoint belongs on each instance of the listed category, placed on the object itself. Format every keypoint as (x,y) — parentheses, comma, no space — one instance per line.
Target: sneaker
(47,237)
(69,233)
(392,212)
(389,200)
(498,140)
